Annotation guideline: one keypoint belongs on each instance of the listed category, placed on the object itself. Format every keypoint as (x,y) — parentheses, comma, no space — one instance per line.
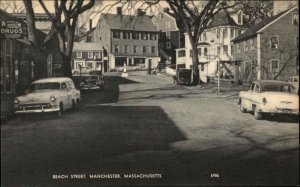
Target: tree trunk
(195,68)
(66,65)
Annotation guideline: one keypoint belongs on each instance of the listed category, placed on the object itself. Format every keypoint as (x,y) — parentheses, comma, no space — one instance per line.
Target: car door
(248,97)
(256,95)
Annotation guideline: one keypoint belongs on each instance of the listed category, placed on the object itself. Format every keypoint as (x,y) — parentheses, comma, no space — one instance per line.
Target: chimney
(91,24)
(166,10)
(140,12)
(119,10)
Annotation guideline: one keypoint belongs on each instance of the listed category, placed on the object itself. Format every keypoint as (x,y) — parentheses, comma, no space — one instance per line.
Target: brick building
(269,49)
(127,39)
(171,35)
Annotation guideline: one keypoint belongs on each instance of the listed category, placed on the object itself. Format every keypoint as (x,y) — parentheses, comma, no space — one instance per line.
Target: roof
(54,79)
(87,46)
(252,31)
(128,22)
(222,18)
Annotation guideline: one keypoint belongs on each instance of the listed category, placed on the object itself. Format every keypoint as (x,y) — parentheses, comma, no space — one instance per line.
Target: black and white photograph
(149,93)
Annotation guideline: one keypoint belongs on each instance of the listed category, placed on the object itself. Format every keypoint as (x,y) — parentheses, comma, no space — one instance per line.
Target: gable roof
(127,22)
(252,31)
(222,18)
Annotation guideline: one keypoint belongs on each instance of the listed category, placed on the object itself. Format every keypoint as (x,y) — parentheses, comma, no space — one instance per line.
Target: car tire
(257,115)
(242,109)
(61,108)
(73,104)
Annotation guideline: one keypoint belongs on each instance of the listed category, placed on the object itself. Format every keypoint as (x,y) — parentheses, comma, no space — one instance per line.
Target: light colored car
(84,70)
(48,95)
(128,68)
(269,97)
(295,81)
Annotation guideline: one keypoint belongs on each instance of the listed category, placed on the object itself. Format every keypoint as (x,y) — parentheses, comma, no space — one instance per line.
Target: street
(145,124)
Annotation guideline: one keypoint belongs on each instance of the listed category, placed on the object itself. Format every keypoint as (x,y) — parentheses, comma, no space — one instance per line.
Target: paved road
(147,125)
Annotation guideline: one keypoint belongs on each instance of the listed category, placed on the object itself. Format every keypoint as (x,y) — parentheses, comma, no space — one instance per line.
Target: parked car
(48,95)
(269,97)
(92,83)
(128,68)
(295,81)
(84,70)
(183,76)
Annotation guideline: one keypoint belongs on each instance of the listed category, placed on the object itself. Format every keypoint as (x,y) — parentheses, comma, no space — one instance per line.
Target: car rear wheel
(257,115)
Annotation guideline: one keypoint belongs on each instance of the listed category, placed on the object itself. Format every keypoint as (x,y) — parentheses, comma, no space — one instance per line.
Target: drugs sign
(11,29)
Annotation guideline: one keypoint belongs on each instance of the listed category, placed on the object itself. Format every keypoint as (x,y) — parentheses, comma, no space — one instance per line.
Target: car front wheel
(257,115)
(242,109)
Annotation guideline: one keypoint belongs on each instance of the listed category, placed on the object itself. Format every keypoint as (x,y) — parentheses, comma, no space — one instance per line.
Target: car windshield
(45,86)
(277,88)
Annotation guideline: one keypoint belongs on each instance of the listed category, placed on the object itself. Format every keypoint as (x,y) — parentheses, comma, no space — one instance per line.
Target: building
(171,35)
(127,39)
(269,49)
(19,65)
(214,47)
(87,54)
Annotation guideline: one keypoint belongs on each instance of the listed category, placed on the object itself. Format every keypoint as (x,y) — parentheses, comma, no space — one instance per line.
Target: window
(161,45)
(252,44)
(144,49)
(152,49)
(199,51)
(126,35)
(253,66)
(275,66)
(218,50)
(240,19)
(231,50)
(202,67)
(218,33)
(225,33)
(116,48)
(168,45)
(274,42)
(79,54)
(135,35)
(97,54)
(231,32)
(168,36)
(239,32)
(204,36)
(153,36)
(181,53)
(161,16)
(205,51)
(134,49)
(144,36)
(245,46)
(238,49)
(90,54)
(126,49)
(295,19)
(116,34)
(225,49)
(168,24)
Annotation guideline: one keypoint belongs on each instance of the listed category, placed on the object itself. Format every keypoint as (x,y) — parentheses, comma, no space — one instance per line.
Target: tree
(64,21)
(12,6)
(255,11)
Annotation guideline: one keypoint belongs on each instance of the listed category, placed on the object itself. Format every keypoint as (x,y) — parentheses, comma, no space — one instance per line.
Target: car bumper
(24,111)
(281,111)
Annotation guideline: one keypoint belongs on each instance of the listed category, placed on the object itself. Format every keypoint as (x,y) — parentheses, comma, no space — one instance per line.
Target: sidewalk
(7,107)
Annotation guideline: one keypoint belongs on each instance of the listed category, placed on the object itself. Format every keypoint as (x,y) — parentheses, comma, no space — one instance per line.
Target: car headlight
(52,98)
(16,101)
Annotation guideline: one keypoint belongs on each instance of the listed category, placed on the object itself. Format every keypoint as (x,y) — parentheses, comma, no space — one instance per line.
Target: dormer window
(295,19)
(161,16)
(274,42)
(240,19)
